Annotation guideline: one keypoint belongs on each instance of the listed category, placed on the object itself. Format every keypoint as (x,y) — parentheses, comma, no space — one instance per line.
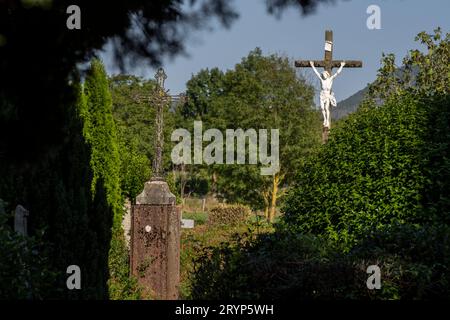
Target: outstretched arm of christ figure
(339,70)
(314,69)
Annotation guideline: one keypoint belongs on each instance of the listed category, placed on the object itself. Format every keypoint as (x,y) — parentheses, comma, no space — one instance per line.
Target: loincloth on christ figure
(328,96)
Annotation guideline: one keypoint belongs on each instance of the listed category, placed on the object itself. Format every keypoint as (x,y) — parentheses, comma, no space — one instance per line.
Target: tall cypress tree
(100,133)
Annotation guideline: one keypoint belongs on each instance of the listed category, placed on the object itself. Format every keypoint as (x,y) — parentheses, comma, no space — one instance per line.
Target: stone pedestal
(155,240)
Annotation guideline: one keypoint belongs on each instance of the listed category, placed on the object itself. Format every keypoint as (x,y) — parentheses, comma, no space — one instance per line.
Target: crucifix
(326,78)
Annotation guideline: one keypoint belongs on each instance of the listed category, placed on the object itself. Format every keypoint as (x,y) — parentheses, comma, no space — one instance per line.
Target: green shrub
(194,242)
(414,260)
(383,165)
(275,266)
(24,267)
(224,214)
(414,263)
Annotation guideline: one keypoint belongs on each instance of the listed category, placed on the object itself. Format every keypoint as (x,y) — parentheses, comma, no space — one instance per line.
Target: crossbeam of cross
(328,63)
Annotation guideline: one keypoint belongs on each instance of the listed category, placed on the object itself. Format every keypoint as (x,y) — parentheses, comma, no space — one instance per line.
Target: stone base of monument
(155,241)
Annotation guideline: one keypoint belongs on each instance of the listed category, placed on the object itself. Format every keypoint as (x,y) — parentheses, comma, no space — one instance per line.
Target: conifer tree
(100,133)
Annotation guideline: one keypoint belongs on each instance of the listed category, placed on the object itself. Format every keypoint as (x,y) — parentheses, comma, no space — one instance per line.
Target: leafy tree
(134,119)
(423,73)
(135,169)
(203,88)
(133,114)
(259,93)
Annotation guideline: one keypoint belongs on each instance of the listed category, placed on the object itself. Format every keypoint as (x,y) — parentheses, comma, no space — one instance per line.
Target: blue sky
(302,37)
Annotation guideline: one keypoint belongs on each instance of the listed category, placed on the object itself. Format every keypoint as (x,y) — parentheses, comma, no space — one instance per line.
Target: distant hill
(348,105)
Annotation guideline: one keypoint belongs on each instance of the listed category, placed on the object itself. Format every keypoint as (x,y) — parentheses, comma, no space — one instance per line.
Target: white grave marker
(187,223)
(20,220)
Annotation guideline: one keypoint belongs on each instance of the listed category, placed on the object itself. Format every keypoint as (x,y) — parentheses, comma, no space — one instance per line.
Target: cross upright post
(160,102)
(328,58)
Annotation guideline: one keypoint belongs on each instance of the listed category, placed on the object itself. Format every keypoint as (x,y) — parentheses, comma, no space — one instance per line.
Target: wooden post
(328,50)
(325,132)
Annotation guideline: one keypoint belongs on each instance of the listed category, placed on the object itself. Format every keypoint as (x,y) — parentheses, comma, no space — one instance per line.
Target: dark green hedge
(385,164)
(225,214)
(414,263)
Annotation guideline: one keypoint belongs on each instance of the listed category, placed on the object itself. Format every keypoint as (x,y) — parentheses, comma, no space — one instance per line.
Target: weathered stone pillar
(155,240)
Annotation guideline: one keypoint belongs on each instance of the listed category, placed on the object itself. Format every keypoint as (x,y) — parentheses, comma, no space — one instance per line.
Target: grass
(199,218)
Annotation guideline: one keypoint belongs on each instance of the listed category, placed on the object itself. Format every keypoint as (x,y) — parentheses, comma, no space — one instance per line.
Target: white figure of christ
(326,93)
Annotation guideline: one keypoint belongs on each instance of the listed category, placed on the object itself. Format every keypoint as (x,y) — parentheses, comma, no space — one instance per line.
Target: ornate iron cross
(161,98)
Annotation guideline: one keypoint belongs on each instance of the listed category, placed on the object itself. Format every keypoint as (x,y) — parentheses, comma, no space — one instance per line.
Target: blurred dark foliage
(306,6)
(39,54)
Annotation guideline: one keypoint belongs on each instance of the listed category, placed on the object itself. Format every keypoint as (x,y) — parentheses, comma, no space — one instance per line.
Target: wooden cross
(328,64)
